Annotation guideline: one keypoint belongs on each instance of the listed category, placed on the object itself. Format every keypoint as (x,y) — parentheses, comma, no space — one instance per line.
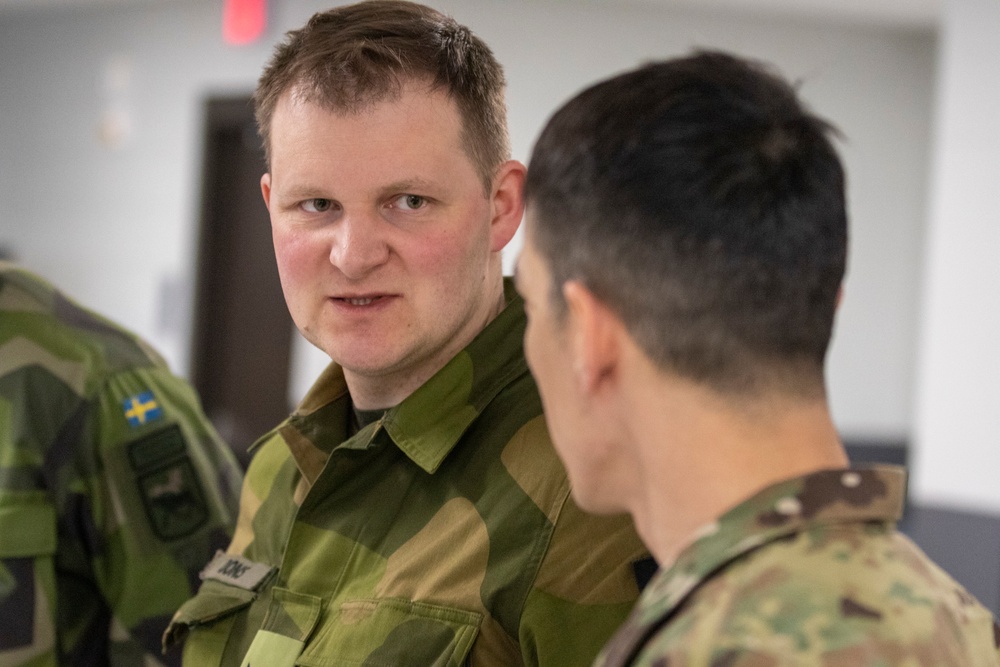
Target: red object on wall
(243,21)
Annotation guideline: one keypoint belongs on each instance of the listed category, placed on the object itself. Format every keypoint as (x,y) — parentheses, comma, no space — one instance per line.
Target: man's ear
(595,338)
(507,202)
(265,189)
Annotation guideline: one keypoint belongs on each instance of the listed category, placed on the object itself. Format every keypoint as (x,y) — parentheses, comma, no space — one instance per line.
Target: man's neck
(701,459)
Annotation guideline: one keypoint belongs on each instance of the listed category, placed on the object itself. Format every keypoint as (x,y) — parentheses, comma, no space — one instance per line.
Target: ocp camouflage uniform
(442,534)
(114,488)
(809,572)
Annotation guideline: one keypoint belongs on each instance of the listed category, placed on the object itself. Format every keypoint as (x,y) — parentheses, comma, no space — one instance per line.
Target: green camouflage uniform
(810,572)
(442,534)
(114,488)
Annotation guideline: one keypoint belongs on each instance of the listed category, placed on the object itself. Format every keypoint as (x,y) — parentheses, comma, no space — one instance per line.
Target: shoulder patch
(175,504)
(141,409)
(237,571)
(163,445)
(171,492)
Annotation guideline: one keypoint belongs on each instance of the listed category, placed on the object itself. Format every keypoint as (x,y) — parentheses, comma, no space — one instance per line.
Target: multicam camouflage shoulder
(108,466)
(809,572)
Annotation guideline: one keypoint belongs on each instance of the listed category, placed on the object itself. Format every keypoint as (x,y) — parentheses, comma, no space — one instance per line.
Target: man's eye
(317,205)
(410,202)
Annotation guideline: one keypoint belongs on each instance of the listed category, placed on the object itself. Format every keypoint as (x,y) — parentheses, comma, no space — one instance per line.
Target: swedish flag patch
(141,409)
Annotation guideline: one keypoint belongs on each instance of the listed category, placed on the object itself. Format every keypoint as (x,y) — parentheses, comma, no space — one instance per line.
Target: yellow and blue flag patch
(142,409)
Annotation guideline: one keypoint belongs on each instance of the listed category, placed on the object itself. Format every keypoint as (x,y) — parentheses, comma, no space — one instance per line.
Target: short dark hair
(703,203)
(353,56)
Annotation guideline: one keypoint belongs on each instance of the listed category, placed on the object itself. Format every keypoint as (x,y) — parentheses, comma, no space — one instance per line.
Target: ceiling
(902,13)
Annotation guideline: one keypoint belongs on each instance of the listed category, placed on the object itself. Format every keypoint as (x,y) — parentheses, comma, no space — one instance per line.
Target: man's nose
(359,246)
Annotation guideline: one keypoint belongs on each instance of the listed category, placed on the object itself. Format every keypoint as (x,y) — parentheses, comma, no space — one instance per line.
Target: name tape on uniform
(236,571)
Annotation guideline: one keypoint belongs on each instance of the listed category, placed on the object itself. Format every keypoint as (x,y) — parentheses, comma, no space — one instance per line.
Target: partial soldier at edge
(114,486)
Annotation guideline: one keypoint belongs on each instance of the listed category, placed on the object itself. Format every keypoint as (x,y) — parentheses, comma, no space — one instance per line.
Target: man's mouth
(359,300)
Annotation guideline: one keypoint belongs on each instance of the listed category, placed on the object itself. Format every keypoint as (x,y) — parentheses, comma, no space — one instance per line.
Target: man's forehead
(350,102)
(427,114)
(416,145)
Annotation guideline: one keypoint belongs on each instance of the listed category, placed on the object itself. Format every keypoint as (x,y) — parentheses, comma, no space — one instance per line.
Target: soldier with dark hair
(114,487)
(686,242)
(411,511)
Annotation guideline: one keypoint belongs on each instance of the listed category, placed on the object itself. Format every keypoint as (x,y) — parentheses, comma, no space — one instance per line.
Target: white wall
(117,226)
(114,226)
(957,443)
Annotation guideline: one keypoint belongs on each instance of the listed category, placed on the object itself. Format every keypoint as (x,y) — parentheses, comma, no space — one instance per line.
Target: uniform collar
(428,424)
(827,497)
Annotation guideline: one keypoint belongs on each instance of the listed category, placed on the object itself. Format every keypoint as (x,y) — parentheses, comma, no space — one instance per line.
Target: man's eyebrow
(408,185)
(305,192)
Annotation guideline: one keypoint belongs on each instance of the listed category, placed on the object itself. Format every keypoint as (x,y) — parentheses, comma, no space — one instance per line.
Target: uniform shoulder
(533,463)
(837,594)
(270,453)
(39,317)
(21,290)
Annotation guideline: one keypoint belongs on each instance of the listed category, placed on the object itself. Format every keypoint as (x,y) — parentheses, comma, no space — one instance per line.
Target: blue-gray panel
(965,544)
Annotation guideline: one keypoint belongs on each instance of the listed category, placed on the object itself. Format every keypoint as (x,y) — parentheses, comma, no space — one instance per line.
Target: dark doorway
(242,331)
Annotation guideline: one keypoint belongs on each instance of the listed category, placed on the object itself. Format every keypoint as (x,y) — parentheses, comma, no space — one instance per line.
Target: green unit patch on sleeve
(163,445)
(171,492)
(174,501)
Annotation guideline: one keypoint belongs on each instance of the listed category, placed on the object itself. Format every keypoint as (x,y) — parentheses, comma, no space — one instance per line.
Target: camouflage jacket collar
(427,425)
(826,497)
